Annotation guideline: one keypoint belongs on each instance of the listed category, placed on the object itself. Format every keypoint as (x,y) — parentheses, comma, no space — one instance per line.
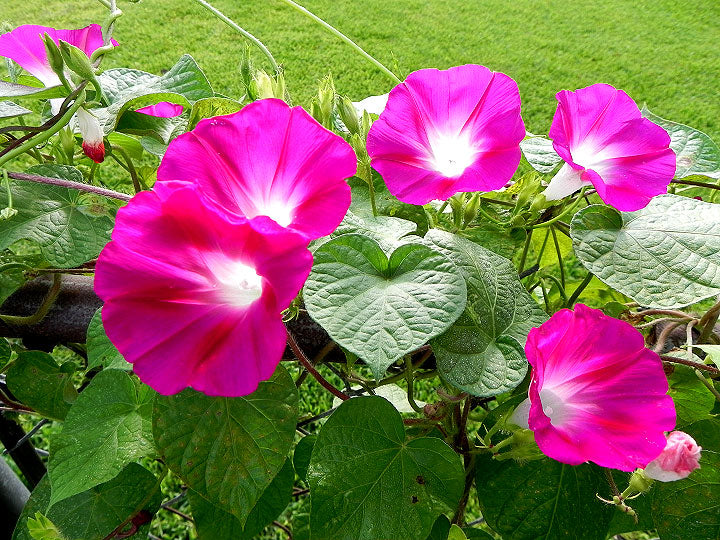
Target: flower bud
(678,459)
(77,61)
(349,115)
(263,85)
(92,135)
(54,57)
(326,99)
(639,483)
(471,209)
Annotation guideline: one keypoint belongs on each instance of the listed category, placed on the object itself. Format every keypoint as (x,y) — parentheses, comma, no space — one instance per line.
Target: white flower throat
(451,154)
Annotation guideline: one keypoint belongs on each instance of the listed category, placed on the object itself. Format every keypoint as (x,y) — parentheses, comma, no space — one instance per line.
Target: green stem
(373,204)
(708,384)
(6,181)
(45,135)
(696,183)
(526,247)
(559,256)
(39,315)
(487,216)
(232,24)
(130,168)
(70,184)
(342,36)
(708,322)
(560,287)
(566,211)
(409,378)
(580,288)
(545,295)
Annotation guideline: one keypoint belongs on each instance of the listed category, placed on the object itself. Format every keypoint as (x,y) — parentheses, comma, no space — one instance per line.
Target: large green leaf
(369,483)
(96,513)
(37,381)
(14,90)
(124,88)
(8,109)
(542,499)
(228,449)
(666,255)
(63,222)
(161,129)
(690,508)
(540,153)
(213,523)
(482,352)
(100,350)
(693,401)
(381,308)
(696,152)
(108,427)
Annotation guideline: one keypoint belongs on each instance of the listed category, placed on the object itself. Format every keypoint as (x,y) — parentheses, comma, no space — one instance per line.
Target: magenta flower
(267,160)
(604,140)
(596,393)
(679,458)
(443,132)
(193,297)
(25,46)
(164,109)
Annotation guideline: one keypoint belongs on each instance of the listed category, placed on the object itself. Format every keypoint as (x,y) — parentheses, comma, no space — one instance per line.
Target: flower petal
(164,109)
(267,160)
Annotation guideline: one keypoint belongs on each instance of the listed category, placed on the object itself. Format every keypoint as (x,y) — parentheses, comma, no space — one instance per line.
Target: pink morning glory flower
(596,393)
(679,458)
(444,132)
(606,142)
(270,160)
(164,109)
(25,46)
(193,297)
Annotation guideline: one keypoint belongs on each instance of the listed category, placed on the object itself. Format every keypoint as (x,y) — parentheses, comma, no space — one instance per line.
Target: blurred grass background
(663,52)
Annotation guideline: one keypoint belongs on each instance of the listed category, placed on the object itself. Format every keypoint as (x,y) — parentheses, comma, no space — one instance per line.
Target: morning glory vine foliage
(403,317)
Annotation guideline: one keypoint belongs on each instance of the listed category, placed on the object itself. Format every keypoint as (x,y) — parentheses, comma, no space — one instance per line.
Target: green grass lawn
(663,52)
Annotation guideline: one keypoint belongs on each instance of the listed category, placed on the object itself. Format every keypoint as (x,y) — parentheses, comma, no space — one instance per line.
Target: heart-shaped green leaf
(368,482)
(666,255)
(382,308)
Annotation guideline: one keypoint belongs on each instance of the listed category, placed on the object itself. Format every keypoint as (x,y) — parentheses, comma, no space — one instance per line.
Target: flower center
(451,154)
(553,406)
(279,212)
(240,284)
(588,155)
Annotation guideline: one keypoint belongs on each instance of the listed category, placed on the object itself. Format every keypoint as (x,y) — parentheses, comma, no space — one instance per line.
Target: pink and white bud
(92,135)
(680,457)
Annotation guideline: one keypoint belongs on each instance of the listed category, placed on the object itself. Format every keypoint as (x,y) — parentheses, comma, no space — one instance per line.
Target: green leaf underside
(228,449)
(37,381)
(388,232)
(542,499)
(107,428)
(482,351)
(368,482)
(8,109)
(666,255)
(213,523)
(56,218)
(126,88)
(100,350)
(382,308)
(696,152)
(540,154)
(94,514)
(13,90)
(690,508)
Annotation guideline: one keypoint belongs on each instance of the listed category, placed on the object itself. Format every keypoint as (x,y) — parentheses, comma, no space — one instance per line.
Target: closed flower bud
(92,135)
(53,55)
(679,458)
(77,61)
(349,115)
(263,85)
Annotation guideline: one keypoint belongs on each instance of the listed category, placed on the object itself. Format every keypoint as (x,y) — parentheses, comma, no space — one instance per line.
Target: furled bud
(349,115)
(77,61)
(263,85)
(92,135)
(54,57)
(679,458)
(326,101)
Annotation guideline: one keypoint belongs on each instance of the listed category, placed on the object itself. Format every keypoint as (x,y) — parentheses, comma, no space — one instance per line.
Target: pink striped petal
(25,46)
(596,393)
(443,132)
(164,109)
(194,297)
(600,133)
(268,160)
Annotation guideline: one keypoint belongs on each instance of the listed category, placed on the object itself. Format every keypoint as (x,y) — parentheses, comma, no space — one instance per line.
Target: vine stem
(697,365)
(300,355)
(580,288)
(343,37)
(39,315)
(70,184)
(232,24)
